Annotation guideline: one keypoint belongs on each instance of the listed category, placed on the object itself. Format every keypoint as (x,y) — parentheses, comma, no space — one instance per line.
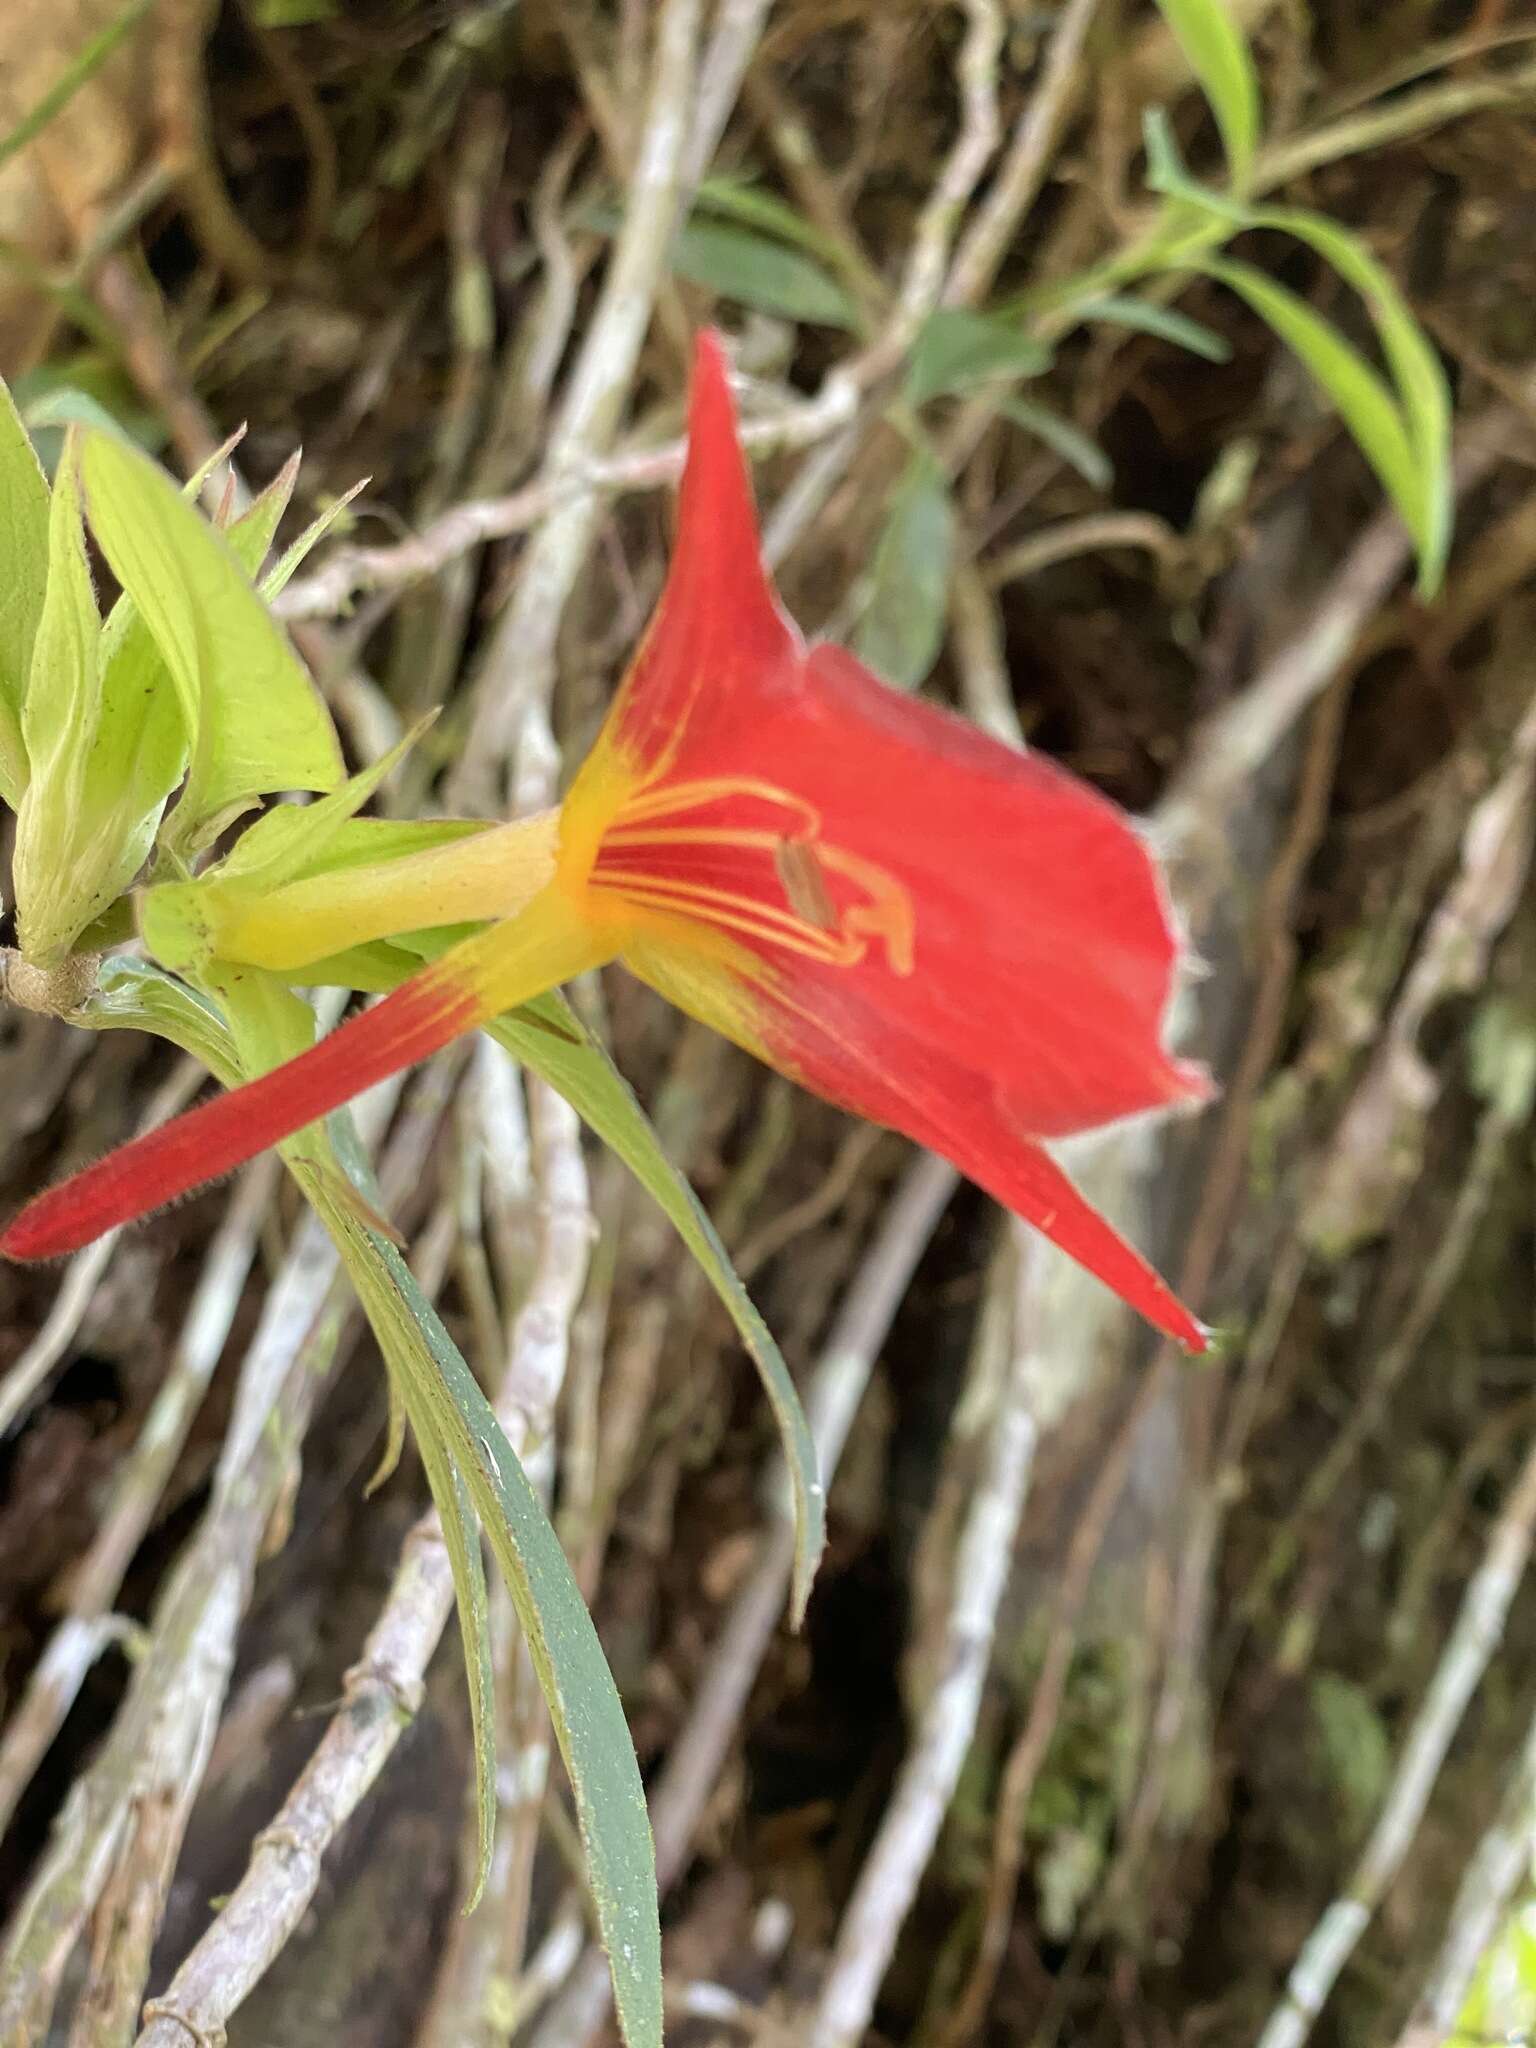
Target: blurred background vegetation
(1263,1663)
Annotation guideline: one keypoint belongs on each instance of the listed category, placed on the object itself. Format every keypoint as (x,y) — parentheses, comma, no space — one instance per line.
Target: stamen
(748,918)
(667,800)
(813,925)
(804,883)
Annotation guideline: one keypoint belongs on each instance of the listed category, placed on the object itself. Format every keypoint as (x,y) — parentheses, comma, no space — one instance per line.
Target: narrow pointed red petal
(476,980)
(423,1015)
(717,559)
(1029,1182)
(718,633)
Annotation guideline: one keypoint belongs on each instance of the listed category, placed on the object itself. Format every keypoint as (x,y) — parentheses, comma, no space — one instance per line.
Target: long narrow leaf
(1364,401)
(1416,371)
(23,583)
(567,1657)
(1143,317)
(460,1436)
(461,1537)
(1219,56)
(548,1037)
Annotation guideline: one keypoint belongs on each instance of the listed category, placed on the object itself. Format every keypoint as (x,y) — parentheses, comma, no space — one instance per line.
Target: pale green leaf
(23,584)
(447,1408)
(105,751)
(1163,321)
(737,199)
(755,271)
(548,1037)
(294,840)
(250,536)
(292,558)
(955,350)
(1218,54)
(1063,438)
(255,719)
(1416,370)
(1362,397)
(902,629)
(62,691)
(192,489)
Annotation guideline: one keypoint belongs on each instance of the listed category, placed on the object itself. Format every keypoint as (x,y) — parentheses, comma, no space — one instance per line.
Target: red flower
(913,920)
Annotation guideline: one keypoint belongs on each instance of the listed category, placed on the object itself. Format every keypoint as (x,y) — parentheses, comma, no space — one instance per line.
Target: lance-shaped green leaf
(1168,324)
(567,1657)
(250,536)
(1403,427)
(903,628)
(23,584)
(548,1037)
(1063,437)
(104,752)
(573,1674)
(1364,400)
(1219,56)
(255,719)
(292,559)
(956,350)
(1423,395)
(464,1447)
(755,271)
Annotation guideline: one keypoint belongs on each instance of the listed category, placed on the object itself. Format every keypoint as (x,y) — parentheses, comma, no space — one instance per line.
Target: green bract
(24,554)
(254,720)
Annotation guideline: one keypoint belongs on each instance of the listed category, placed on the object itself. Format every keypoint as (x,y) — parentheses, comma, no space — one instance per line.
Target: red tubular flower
(918,923)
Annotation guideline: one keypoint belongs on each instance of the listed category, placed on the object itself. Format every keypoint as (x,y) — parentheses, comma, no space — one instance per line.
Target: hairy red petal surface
(423,1015)
(718,629)
(940,932)
(473,982)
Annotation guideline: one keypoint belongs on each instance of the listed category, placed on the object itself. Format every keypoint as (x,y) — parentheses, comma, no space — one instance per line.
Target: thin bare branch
(695,1759)
(95,1580)
(517,677)
(384,1688)
(909,1828)
(1476,1636)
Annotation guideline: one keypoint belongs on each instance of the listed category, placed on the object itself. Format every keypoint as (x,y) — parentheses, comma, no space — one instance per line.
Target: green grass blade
(1219,56)
(547,1037)
(1143,317)
(1416,371)
(1365,402)
(583,1702)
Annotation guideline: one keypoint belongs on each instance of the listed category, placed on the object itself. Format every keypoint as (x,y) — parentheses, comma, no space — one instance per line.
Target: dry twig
(1469,1649)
